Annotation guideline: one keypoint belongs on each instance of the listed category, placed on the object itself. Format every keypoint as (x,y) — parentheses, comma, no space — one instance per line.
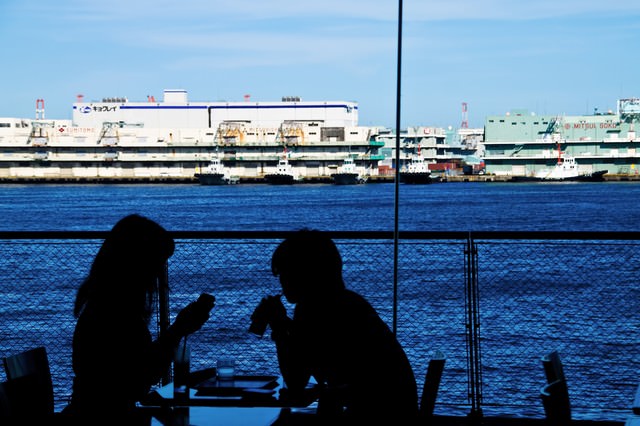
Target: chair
(555,394)
(30,384)
(553,369)
(555,400)
(5,402)
(633,421)
(431,385)
(636,402)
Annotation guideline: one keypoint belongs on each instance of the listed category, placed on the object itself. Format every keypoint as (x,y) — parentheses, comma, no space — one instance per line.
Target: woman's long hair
(124,274)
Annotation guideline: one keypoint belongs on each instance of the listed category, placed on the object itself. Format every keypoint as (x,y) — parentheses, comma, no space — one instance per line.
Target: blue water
(427,287)
(439,207)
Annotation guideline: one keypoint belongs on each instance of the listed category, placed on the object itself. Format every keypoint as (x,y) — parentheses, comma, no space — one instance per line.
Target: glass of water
(226,368)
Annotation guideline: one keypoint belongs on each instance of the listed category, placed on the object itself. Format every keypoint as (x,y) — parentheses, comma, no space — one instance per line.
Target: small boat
(565,170)
(284,174)
(416,171)
(216,174)
(347,174)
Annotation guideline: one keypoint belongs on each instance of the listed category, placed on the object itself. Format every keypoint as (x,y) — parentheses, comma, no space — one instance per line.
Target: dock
(260,180)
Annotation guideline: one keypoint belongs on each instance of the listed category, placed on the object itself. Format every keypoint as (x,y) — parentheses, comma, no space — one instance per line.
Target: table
(250,408)
(164,397)
(212,416)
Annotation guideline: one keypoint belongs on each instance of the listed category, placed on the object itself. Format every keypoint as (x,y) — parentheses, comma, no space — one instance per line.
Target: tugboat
(565,170)
(284,174)
(216,174)
(416,171)
(347,174)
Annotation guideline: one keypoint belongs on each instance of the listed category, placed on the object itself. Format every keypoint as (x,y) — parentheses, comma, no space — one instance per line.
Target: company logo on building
(85,109)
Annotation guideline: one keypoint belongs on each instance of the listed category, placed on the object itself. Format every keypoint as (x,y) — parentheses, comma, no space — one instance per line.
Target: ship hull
(346,178)
(212,179)
(415,178)
(279,179)
(591,177)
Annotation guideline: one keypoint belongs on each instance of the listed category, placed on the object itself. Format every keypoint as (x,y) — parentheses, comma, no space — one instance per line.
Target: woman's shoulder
(110,320)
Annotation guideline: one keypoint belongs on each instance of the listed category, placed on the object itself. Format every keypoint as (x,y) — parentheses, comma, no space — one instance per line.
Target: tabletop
(246,400)
(213,416)
(270,396)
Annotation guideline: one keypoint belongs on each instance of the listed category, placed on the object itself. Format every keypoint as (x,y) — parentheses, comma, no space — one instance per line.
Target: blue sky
(547,56)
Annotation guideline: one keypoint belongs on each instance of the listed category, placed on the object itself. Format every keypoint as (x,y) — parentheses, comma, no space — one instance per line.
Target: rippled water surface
(449,206)
(428,286)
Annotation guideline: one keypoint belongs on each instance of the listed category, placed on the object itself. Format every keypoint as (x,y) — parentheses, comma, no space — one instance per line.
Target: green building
(521,143)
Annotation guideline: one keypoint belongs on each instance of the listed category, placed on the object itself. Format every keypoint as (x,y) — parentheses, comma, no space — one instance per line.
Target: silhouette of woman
(115,360)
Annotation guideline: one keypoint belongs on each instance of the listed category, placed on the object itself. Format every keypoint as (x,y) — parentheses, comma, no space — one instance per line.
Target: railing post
(472,306)
(163,309)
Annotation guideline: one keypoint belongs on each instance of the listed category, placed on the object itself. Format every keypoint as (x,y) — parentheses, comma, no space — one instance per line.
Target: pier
(260,180)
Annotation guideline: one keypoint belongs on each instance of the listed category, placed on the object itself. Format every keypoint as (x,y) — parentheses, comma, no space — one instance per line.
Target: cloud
(469,46)
(170,12)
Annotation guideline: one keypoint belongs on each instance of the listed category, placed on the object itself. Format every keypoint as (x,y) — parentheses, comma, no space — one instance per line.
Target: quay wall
(253,179)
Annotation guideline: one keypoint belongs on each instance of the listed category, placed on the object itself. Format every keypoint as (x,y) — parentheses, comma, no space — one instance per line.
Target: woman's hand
(193,316)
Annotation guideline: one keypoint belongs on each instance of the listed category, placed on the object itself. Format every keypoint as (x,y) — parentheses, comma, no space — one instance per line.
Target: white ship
(174,140)
(284,173)
(216,174)
(348,174)
(566,169)
(416,171)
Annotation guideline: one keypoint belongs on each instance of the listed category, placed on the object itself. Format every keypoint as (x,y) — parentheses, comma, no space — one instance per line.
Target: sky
(545,56)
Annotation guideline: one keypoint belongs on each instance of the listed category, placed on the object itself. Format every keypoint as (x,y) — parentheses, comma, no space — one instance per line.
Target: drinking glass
(226,368)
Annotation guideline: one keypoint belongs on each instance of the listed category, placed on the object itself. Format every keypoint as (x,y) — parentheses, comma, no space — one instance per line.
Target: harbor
(176,140)
(476,165)
(255,180)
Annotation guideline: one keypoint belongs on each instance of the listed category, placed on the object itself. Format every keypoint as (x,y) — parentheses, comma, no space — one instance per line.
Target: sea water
(464,206)
(371,207)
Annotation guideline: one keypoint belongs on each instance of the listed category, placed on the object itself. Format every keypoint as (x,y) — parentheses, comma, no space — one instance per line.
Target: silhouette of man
(335,336)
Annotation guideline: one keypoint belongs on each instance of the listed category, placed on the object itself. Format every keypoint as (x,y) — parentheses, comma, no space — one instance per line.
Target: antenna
(39,109)
(465,117)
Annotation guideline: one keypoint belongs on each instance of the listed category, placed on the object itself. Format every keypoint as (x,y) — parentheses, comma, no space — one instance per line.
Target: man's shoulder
(356,299)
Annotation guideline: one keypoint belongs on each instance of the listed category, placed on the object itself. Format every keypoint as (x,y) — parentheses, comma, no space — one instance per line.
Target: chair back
(431,385)
(636,402)
(5,402)
(555,400)
(553,369)
(29,379)
(633,421)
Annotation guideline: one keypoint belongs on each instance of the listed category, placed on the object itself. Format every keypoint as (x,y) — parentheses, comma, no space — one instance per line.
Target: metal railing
(493,302)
